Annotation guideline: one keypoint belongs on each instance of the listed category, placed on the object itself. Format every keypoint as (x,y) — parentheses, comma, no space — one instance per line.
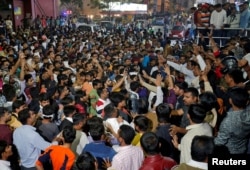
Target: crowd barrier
(243,34)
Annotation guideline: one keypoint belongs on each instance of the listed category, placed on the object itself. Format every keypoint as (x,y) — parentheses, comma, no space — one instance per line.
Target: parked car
(89,27)
(143,23)
(158,21)
(178,32)
(109,25)
(81,20)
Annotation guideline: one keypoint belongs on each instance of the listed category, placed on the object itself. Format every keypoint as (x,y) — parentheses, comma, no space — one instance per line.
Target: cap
(205,5)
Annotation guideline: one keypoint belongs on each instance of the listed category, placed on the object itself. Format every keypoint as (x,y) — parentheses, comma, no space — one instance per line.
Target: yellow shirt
(14,122)
(136,140)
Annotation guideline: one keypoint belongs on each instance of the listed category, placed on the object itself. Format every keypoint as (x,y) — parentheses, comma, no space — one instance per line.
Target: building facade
(18,9)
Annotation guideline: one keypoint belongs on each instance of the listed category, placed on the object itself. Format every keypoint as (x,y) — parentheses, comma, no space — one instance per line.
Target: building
(18,9)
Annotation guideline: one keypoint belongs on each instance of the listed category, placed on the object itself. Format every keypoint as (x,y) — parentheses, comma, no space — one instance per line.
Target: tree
(71,7)
(4,5)
(78,3)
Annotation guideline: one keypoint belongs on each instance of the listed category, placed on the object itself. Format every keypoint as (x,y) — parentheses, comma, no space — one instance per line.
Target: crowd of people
(227,20)
(120,101)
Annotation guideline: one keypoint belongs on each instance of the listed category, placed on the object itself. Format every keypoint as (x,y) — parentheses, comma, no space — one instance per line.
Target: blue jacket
(244,19)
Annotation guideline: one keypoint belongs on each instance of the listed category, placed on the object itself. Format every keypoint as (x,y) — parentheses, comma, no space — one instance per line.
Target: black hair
(127,133)
(97,132)
(208,100)
(197,113)
(34,106)
(109,110)
(218,149)
(134,85)
(246,47)
(93,122)
(100,90)
(66,100)
(236,75)
(201,147)
(218,5)
(9,92)
(34,92)
(85,161)
(61,77)
(194,92)
(143,123)
(43,97)
(239,97)
(69,134)
(23,116)
(27,77)
(150,143)
(77,118)
(163,113)
(71,61)
(68,110)
(3,110)
(48,110)
(116,98)
(119,77)
(96,82)
(182,85)
(17,104)
(3,145)
(143,106)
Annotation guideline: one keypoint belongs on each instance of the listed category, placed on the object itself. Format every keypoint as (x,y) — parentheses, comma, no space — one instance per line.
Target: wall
(18,12)
(44,7)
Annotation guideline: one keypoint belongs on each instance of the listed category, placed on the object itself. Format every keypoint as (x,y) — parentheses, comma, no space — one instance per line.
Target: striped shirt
(205,17)
(128,158)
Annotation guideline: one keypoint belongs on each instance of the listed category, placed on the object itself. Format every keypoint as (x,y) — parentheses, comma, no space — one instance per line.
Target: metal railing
(244,34)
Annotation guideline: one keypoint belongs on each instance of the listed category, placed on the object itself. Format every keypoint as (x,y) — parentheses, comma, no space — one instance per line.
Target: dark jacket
(65,123)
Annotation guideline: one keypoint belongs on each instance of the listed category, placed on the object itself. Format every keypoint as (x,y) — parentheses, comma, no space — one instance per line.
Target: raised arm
(159,92)
(169,79)
(214,46)
(14,68)
(100,69)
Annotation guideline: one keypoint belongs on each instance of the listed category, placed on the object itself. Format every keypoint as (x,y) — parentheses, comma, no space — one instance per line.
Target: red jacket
(157,162)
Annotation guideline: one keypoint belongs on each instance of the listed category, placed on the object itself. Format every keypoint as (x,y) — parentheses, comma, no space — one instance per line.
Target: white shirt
(247,57)
(128,158)
(196,164)
(155,68)
(186,141)
(189,75)
(4,165)
(159,48)
(83,141)
(100,106)
(218,19)
(115,124)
